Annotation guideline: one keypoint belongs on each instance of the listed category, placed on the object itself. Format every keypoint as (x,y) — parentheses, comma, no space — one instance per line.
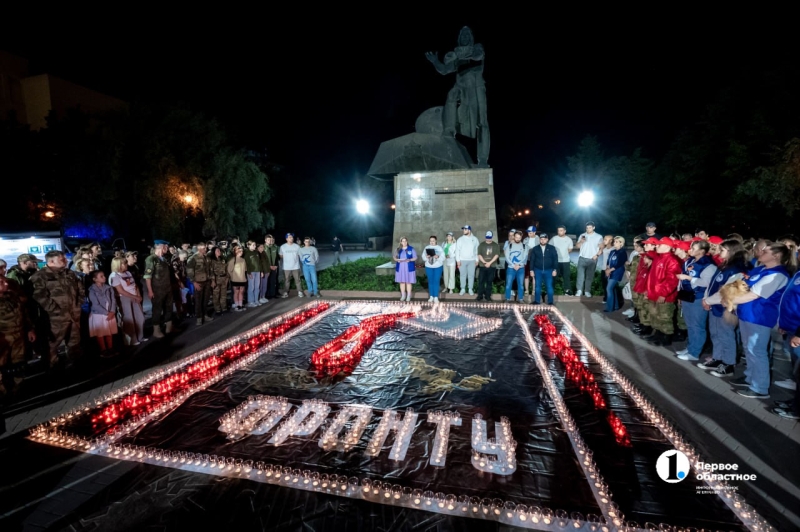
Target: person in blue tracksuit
(614,272)
(544,267)
(698,272)
(758,314)
(723,334)
(789,325)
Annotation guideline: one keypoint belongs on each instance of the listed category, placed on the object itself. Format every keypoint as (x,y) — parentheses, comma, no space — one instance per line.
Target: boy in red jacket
(644,328)
(662,292)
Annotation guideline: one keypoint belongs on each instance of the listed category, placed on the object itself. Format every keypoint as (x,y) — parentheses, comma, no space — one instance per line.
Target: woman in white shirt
(434,264)
(449,270)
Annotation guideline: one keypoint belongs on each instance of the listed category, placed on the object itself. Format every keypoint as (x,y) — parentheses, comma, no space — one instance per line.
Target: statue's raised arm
(442,68)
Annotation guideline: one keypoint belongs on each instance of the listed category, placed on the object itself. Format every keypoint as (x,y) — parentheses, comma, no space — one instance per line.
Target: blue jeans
(262,291)
(546,277)
(434,278)
(511,276)
(253,286)
(755,339)
(696,318)
(310,273)
(611,295)
(723,338)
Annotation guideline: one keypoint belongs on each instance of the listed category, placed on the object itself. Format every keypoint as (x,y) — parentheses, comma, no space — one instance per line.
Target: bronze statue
(465,109)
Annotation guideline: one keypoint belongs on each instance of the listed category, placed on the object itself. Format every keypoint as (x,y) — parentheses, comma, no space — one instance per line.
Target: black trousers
(162,305)
(272,283)
(485,277)
(566,273)
(202,293)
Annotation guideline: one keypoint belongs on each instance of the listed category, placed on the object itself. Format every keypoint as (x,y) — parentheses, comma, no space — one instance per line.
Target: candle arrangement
(502,447)
(438,320)
(577,372)
(403,429)
(360,414)
(443,421)
(344,352)
(122,411)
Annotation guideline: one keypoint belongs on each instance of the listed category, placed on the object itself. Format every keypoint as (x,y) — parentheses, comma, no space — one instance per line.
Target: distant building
(30,99)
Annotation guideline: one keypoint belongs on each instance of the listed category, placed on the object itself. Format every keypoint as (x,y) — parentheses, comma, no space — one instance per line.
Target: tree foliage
(145,172)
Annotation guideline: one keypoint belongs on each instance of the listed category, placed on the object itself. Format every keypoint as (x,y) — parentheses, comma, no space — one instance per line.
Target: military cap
(26,257)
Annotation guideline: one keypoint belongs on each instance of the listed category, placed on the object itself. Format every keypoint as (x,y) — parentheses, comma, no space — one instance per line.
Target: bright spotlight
(362,206)
(416,193)
(586,198)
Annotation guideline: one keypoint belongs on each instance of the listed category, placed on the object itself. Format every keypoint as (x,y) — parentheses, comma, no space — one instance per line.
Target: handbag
(626,292)
(686,295)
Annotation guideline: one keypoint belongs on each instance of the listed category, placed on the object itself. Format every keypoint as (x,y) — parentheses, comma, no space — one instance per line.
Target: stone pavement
(724,426)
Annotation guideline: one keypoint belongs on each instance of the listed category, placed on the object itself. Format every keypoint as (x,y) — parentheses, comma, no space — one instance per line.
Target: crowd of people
(55,314)
(720,295)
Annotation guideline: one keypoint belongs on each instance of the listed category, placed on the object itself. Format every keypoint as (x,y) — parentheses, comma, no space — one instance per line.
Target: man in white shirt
(466,255)
(290,257)
(590,245)
(563,245)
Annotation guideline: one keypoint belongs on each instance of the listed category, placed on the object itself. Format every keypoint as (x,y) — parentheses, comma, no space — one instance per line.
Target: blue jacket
(694,268)
(410,254)
(789,308)
(616,260)
(543,260)
(762,311)
(719,281)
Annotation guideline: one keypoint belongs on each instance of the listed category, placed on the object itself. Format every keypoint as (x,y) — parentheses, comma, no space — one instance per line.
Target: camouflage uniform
(14,326)
(661,315)
(633,269)
(219,271)
(159,271)
(23,279)
(198,270)
(60,294)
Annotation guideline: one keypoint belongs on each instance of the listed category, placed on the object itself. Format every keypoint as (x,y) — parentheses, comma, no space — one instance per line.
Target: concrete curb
(423,295)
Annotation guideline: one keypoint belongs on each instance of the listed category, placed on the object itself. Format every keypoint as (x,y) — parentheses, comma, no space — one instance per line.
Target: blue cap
(467,227)
(289,235)
(161,243)
(532,229)
(489,235)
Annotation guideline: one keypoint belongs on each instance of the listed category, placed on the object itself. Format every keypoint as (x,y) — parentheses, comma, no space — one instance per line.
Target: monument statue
(465,108)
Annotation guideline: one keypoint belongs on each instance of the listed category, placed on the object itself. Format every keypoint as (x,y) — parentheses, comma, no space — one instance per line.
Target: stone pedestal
(433,203)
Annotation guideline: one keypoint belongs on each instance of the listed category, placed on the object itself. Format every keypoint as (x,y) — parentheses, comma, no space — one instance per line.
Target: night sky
(320,95)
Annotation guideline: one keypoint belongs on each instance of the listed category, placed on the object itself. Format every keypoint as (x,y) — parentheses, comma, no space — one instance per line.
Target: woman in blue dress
(405,272)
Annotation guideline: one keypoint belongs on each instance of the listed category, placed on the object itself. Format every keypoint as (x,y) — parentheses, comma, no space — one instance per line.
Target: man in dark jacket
(544,267)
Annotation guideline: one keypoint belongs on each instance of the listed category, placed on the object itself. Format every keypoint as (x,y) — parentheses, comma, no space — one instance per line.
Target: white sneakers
(579,293)
(404,297)
(430,299)
(300,293)
(435,299)
(471,293)
(263,300)
(788,384)
(462,292)
(629,313)
(682,352)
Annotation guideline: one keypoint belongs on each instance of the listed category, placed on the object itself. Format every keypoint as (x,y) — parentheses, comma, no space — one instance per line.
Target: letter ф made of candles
(502,448)
(403,429)
(330,440)
(256,416)
(443,421)
(305,421)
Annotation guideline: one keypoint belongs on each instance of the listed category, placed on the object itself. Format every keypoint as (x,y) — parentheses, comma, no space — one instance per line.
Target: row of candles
(598,486)
(577,372)
(509,512)
(403,429)
(746,513)
(127,409)
(443,421)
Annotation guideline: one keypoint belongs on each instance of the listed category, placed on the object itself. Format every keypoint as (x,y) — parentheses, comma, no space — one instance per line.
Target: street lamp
(362,206)
(586,198)
(188,198)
